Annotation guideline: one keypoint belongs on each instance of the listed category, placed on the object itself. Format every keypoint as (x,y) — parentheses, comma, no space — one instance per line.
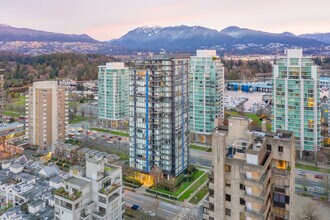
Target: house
(16,168)
(49,170)
(36,206)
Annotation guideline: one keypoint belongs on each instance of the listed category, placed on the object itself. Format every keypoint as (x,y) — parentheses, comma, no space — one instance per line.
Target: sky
(109,19)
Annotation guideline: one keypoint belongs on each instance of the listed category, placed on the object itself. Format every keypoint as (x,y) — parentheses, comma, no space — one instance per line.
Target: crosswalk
(183,214)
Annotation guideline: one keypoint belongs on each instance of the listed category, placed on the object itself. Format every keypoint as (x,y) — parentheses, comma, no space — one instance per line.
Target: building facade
(159,115)
(97,195)
(296,99)
(113,86)
(206,89)
(253,174)
(47,114)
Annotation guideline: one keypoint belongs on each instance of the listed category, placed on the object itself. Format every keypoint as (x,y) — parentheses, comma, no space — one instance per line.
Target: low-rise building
(97,195)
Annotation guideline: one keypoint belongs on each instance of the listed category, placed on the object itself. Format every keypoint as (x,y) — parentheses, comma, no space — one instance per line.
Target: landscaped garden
(182,186)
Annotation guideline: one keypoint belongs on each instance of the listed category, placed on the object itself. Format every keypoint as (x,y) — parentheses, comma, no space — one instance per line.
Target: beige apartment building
(253,174)
(47,113)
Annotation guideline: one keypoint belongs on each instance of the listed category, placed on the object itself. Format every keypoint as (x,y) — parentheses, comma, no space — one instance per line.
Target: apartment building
(206,89)
(96,195)
(47,114)
(113,93)
(159,115)
(296,99)
(252,175)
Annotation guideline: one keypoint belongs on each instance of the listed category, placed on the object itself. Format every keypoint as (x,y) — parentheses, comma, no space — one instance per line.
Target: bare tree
(326,185)
(310,212)
(82,112)
(156,174)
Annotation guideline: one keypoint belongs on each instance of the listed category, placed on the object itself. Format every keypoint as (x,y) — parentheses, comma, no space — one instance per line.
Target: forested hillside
(20,70)
(239,69)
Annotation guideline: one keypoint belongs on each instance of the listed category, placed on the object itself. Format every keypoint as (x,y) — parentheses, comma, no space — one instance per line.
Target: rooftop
(36,203)
(77,181)
(14,125)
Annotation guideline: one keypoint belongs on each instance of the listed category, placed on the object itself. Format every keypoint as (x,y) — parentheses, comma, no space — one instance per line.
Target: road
(165,210)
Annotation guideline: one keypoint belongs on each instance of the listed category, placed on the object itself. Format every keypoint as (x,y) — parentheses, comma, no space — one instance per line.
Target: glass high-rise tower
(296,99)
(206,88)
(159,115)
(113,85)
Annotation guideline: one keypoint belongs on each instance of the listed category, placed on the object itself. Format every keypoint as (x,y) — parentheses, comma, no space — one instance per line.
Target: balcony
(62,193)
(261,214)
(261,198)
(281,172)
(107,191)
(100,215)
(262,166)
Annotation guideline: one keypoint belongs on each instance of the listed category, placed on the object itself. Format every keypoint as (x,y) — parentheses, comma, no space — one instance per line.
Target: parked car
(319,176)
(135,207)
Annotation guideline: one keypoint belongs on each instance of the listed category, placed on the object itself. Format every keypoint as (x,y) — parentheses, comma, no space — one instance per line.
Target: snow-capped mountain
(231,39)
(323,37)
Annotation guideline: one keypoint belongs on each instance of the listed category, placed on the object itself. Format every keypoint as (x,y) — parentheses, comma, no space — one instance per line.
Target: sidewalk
(323,166)
(197,190)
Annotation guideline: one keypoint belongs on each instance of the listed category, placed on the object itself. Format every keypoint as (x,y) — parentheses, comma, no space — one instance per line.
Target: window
(280,148)
(269,147)
(228,198)
(241,186)
(228,183)
(227,168)
(241,201)
(228,212)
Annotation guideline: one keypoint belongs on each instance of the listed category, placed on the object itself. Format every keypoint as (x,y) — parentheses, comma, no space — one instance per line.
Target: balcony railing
(61,192)
(110,189)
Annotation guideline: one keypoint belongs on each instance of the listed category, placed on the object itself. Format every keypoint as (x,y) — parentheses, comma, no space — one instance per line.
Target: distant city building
(206,93)
(252,175)
(47,114)
(296,99)
(113,93)
(159,115)
(96,195)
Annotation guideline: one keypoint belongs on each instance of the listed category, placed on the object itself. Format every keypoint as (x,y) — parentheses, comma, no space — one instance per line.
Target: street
(164,210)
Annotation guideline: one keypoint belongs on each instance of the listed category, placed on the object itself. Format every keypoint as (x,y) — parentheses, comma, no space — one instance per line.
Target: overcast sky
(108,19)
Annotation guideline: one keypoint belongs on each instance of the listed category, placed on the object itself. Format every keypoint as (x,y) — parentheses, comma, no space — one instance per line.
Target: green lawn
(20,101)
(73,104)
(184,185)
(77,119)
(119,133)
(194,187)
(11,114)
(312,168)
(123,134)
(199,195)
(196,147)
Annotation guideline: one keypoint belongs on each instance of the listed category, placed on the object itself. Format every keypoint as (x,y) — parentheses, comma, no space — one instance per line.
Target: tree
(82,112)
(156,174)
(326,185)
(310,212)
